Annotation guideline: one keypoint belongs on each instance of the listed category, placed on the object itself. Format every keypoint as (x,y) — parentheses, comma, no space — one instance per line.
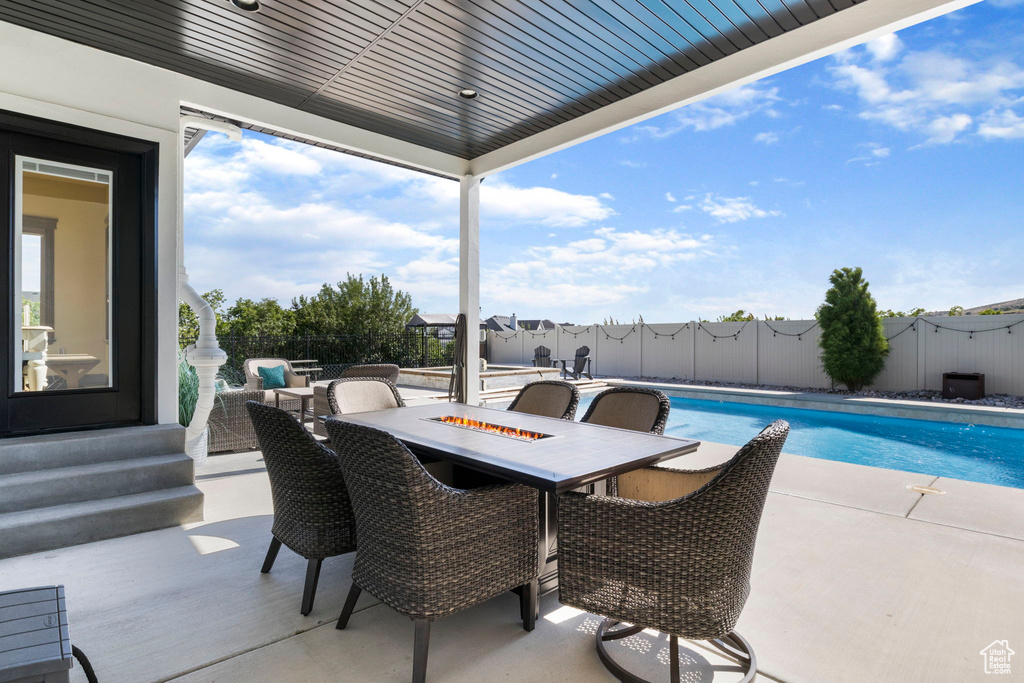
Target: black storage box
(969,386)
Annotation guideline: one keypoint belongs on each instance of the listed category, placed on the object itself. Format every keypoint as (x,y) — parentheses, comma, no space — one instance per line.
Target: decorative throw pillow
(273,378)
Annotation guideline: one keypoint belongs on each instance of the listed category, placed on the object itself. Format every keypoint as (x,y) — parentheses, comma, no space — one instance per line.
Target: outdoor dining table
(569,455)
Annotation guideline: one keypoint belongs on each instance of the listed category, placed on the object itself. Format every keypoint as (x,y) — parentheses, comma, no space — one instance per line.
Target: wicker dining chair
(312,512)
(386,371)
(672,554)
(428,550)
(634,408)
(547,398)
(353,395)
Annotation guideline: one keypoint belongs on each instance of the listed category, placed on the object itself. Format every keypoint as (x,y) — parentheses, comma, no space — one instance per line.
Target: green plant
(889,313)
(188,390)
(853,344)
(737,317)
(956,310)
(356,306)
(990,311)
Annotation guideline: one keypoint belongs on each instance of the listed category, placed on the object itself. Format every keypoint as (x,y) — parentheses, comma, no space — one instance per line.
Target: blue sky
(903,156)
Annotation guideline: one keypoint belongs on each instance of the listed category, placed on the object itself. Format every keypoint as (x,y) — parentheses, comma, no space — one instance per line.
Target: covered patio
(856,578)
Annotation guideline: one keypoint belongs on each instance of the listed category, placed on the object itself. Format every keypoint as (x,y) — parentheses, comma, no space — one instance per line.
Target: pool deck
(855,579)
(920,410)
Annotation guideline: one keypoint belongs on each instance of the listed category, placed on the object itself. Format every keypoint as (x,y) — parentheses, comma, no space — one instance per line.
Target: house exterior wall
(785,353)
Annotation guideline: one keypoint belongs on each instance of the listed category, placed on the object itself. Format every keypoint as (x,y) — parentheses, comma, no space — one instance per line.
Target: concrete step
(73,449)
(31,531)
(60,486)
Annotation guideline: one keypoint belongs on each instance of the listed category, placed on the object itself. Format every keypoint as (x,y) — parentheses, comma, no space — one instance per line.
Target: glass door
(79,306)
(62,261)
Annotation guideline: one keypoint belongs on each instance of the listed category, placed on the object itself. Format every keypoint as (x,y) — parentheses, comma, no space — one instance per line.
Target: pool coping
(991,416)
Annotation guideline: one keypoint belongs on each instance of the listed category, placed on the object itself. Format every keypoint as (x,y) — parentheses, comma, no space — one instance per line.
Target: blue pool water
(991,455)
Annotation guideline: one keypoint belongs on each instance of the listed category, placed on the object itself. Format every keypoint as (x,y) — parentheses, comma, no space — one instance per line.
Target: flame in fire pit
(490,428)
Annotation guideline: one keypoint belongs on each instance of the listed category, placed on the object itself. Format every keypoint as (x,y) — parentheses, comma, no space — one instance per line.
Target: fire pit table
(550,455)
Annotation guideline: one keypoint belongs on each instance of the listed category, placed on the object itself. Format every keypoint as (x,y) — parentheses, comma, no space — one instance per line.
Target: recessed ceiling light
(247,5)
(468,94)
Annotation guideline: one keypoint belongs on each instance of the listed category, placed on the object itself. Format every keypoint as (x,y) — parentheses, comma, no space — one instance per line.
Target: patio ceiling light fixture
(468,94)
(247,5)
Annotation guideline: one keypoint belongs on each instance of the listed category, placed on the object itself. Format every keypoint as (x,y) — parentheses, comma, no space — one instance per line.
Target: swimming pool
(990,455)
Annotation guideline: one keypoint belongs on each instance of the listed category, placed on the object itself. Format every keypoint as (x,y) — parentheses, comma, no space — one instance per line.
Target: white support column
(469,280)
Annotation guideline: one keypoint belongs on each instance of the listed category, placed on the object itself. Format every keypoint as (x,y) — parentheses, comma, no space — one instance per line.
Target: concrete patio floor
(855,579)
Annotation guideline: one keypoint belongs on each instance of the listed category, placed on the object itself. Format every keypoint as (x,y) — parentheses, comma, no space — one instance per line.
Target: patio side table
(303,394)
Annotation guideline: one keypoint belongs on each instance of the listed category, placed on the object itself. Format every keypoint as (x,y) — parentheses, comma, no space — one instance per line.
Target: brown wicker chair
(230,426)
(547,398)
(353,395)
(428,550)
(312,512)
(292,379)
(382,370)
(635,408)
(672,554)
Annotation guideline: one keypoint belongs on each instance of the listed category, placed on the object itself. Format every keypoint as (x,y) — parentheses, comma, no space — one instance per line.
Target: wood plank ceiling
(396,66)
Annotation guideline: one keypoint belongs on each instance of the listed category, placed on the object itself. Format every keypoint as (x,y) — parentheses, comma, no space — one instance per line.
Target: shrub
(853,344)
(188,390)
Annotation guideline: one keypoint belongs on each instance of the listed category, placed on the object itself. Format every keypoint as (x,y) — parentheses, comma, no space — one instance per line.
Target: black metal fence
(409,349)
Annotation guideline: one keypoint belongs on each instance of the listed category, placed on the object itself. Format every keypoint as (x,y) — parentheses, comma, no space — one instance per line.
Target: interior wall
(80,272)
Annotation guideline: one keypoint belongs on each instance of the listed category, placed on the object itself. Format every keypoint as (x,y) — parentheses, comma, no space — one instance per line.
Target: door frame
(147,153)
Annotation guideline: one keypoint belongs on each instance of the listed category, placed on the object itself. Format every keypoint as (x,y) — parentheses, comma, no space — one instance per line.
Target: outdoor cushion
(273,378)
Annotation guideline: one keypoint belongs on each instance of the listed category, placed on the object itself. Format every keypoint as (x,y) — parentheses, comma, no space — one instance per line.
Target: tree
(912,313)
(248,318)
(356,306)
(853,344)
(990,311)
(956,310)
(737,317)
(188,321)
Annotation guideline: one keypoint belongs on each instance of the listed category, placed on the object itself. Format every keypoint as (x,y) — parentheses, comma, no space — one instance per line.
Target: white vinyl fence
(782,353)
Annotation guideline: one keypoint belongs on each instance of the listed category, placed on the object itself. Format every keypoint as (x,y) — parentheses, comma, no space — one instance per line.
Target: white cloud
(885,47)
(342,214)
(733,209)
(1003,124)
(874,152)
(499,200)
(767,138)
(669,197)
(725,109)
(629,163)
(604,269)
(945,129)
(681,208)
(933,95)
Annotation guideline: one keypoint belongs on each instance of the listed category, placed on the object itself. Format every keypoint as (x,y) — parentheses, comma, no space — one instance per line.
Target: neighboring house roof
(544,324)
(498,323)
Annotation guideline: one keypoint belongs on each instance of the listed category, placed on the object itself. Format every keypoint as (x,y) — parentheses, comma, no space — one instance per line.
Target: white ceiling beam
(826,36)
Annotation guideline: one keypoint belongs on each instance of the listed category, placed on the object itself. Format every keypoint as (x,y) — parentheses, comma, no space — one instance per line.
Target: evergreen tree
(853,344)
